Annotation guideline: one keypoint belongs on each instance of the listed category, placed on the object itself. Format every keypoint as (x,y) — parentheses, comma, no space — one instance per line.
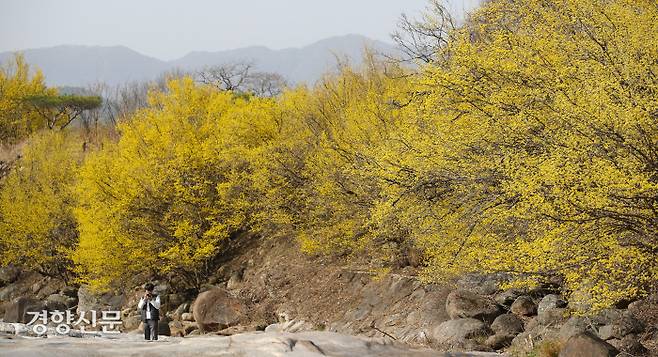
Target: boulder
(89,300)
(620,330)
(235,280)
(497,341)
(507,325)
(217,309)
(617,324)
(482,284)
(549,302)
(523,306)
(9,274)
(507,297)
(56,302)
(18,309)
(70,291)
(574,326)
(630,344)
(8,292)
(587,345)
(534,333)
(466,304)
(71,302)
(553,316)
(455,332)
(48,287)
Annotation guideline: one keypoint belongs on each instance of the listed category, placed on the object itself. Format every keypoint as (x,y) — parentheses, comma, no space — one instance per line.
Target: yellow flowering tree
(18,118)
(37,226)
(180,181)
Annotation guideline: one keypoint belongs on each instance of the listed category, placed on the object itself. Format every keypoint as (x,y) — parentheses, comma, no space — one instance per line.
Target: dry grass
(549,348)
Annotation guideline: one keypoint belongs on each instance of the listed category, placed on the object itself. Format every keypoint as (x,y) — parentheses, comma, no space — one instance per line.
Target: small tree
(60,110)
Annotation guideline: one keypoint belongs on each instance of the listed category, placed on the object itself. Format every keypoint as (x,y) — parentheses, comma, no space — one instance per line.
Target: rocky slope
(267,285)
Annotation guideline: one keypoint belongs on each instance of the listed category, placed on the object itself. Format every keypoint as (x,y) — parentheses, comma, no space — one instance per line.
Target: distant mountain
(80,65)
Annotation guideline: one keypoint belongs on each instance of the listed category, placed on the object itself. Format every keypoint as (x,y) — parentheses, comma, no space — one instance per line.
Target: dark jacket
(155,313)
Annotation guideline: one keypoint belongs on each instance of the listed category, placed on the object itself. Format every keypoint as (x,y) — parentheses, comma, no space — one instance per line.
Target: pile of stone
(484,318)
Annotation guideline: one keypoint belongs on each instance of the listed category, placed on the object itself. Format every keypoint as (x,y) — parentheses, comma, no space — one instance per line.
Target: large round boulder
(217,309)
(523,306)
(507,325)
(550,302)
(465,304)
(587,345)
(459,332)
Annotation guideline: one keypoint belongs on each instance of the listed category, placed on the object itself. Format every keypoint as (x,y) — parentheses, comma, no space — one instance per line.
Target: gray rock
(507,297)
(497,341)
(454,332)
(523,306)
(617,323)
(550,301)
(587,345)
(89,300)
(608,316)
(574,326)
(235,280)
(528,339)
(70,291)
(465,304)
(621,328)
(18,310)
(507,325)
(8,292)
(482,284)
(552,316)
(56,302)
(71,302)
(48,287)
(630,344)
(9,274)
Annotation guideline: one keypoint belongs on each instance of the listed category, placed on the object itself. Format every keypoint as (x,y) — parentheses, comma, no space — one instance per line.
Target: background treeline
(525,141)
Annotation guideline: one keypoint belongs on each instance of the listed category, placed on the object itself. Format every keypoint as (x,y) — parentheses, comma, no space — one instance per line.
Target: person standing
(149,306)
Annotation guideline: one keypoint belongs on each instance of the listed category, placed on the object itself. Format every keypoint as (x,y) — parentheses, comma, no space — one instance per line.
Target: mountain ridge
(81,65)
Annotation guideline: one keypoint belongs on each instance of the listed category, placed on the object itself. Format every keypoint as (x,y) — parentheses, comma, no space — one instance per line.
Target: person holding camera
(149,306)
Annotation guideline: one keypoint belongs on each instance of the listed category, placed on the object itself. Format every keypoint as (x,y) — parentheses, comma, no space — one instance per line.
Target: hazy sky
(169,29)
